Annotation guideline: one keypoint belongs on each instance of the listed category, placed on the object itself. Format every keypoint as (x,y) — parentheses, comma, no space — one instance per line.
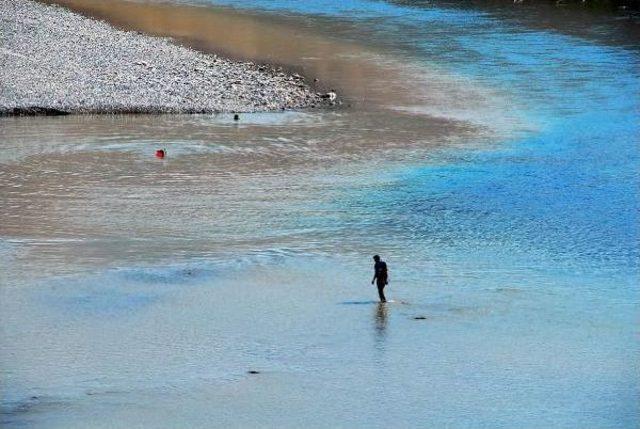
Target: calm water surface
(490,157)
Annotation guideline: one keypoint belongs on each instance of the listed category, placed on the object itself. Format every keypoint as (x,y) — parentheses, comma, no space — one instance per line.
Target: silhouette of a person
(380,276)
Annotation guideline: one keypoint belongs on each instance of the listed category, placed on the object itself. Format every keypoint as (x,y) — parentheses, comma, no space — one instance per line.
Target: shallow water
(491,160)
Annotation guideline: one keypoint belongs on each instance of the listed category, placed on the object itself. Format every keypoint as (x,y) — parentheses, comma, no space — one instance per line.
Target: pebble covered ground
(54,61)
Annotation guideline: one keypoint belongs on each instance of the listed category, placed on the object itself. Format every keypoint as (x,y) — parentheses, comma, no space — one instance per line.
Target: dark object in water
(419,318)
(236,117)
(253,371)
(380,276)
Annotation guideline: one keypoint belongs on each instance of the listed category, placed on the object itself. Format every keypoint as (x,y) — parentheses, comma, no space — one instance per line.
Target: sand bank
(54,61)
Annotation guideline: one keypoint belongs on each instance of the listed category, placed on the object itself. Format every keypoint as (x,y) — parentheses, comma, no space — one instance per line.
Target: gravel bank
(53,61)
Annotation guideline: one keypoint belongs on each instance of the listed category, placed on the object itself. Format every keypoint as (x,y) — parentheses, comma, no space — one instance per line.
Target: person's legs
(381,293)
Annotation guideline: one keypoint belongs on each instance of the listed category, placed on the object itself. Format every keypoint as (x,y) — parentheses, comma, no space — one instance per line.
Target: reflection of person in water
(380,276)
(381,318)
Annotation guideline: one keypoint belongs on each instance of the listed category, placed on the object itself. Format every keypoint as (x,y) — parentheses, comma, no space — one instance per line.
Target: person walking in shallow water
(380,276)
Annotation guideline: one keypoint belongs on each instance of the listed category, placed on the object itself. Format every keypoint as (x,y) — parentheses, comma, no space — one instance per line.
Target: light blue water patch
(351,9)
(563,211)
(567,193)
(560,76)
(7,249)
(118,292)
(99,296)
(124,292)
(567,197)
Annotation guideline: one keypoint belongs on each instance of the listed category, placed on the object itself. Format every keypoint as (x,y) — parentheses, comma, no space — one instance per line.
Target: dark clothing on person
(381,277)
(381,273)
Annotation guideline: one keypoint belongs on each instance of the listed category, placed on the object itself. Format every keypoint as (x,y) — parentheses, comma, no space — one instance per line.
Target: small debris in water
(331,95)
(420,318)
(253,372)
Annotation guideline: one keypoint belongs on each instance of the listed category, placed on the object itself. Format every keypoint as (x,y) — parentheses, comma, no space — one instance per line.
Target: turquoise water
(138,293)
(569,189)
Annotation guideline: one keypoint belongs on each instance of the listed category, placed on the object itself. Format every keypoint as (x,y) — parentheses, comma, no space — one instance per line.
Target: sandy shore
(54,61)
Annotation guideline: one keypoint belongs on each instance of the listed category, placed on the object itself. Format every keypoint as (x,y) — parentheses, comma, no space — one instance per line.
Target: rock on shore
(55,61)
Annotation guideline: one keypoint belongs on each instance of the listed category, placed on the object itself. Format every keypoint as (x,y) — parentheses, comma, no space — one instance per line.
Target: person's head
(376,258)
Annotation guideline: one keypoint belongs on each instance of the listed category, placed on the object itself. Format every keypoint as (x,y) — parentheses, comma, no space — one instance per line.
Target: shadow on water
(360,302)
(22,412)
(380,333)
(381,318)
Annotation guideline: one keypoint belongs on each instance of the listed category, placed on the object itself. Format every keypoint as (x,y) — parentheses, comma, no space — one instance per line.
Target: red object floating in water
(160,153)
